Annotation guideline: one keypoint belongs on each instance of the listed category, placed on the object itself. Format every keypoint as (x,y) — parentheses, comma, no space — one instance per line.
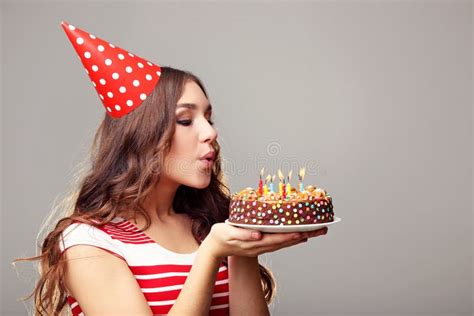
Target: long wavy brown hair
(123,167)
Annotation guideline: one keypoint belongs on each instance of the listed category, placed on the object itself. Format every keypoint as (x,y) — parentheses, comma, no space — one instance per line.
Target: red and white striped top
(159,272)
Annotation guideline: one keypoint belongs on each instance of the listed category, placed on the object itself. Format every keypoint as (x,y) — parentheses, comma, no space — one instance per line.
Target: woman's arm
(246,295)
(102,283)
(196,295)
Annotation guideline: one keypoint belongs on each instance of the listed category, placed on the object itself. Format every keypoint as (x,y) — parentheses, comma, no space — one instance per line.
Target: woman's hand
(227,240)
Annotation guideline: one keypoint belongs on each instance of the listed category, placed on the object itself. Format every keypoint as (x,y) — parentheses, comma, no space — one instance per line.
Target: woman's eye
(188,122)
(184,122)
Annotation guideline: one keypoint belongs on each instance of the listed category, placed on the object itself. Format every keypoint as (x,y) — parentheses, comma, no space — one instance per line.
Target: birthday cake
(289,206)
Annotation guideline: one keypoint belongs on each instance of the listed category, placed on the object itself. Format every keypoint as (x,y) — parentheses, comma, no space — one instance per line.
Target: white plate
(285,228)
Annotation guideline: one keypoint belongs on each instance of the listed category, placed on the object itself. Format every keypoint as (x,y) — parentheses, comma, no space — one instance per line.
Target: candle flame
(301,173)
(273,178)
(268,178)
(261,171)
(289,175)
(280,175)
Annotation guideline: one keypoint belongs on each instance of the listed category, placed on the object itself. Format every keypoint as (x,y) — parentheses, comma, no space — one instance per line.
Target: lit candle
(260,183)
(271,184)
(300,178)
(288,186)
(280,185)
(265,187)
(283,194)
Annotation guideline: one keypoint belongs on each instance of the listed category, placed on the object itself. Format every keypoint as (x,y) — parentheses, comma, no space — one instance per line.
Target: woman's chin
(202,183)
(199,182)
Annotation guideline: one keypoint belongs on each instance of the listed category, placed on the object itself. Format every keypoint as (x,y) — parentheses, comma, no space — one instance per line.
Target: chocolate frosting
(311,206)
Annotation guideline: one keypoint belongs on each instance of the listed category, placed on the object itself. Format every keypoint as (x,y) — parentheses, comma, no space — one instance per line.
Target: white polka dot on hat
(133,77)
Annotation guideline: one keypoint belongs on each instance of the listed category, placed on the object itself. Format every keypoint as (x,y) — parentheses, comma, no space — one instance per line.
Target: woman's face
(193,139)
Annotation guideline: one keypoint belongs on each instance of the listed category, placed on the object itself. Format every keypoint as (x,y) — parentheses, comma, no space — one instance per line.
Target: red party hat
(122,79)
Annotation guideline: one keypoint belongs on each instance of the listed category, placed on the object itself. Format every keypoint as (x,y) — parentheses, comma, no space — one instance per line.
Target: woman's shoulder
(85,230)
(79,233)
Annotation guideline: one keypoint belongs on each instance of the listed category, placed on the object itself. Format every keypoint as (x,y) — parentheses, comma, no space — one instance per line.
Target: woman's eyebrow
(193,106)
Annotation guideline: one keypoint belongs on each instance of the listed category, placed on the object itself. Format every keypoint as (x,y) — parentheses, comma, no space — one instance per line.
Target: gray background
(374,97)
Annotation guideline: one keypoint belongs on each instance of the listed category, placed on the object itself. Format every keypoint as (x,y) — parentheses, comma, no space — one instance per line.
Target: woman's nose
(208,133)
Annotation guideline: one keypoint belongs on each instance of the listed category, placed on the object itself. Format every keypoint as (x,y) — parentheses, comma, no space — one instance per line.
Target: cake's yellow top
(251,194)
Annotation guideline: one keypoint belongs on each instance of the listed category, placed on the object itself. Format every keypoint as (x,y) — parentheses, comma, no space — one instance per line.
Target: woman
(145,232)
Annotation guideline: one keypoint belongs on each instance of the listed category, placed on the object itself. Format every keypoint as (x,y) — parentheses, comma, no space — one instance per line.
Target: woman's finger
(237,233)
(270,240)
(272,248)
(319,232)
(304,237)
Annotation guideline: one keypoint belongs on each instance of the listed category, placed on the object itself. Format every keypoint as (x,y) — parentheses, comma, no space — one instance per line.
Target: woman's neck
(159,203)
